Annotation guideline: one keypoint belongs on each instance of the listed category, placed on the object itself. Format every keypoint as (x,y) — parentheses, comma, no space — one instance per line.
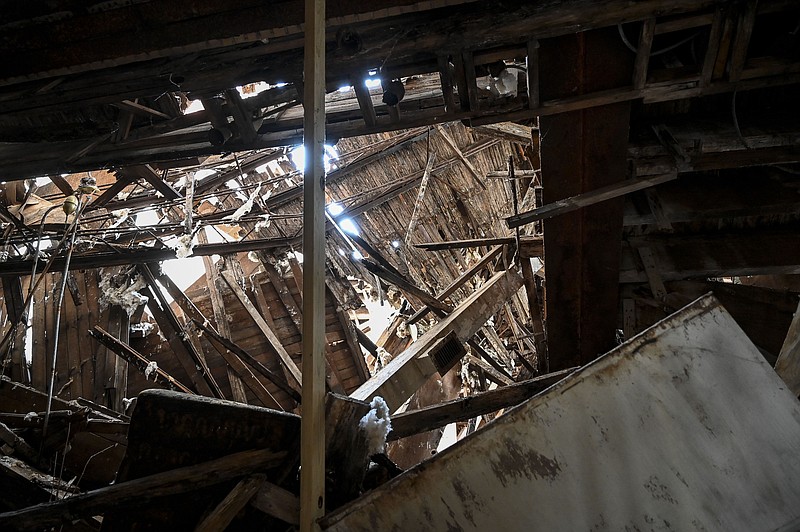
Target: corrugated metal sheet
(685,427)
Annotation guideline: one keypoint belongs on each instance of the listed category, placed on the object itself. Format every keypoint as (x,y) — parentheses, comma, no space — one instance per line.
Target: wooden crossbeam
(139,109)
(405,285)
(275,344)
(156,182)
(453,146)
(433,417)
(186,352)
(136,359)
(459,282)
(579,201)
(411,369)
(225,343)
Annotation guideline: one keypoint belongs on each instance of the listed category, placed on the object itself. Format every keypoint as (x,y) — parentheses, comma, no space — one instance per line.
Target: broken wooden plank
(534,310)
(133,357)
(411,369)
(423,186)
(222,515)
(139,109)
(453,146)
(277,502)
(586,199)
(491,373)
(365,102)
(405,285)
(433,417)
(157,182)
(646,35)
(273,377)
(140,491)
(459,282)
(788,364)
(272,339)
(220,316)
(184,349)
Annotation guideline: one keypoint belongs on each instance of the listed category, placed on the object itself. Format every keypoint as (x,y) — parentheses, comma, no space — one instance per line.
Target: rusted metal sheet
(684,427)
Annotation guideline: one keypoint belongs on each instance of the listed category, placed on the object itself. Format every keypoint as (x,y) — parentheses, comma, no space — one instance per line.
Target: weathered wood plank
(272,339)
(434,417)
(221,516)
(410,369)
(140,491)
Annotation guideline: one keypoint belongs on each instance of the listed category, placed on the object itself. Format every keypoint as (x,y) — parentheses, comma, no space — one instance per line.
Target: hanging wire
(60,301)
(669,48)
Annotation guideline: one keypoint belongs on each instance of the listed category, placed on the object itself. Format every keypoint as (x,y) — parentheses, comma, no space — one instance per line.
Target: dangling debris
(124,295)
(377,425)
(246,207)
(151,368)
(184,245)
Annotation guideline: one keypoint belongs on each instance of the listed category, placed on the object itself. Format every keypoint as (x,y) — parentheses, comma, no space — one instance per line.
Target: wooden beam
(111,192)
(136,359)
(364,102)
(583,151)
(62,184)
(184,350)
(221,516)
(139,109)
(156,182)
(410,369)
(277,502)
(537,323)
(273,377)
(712,49)
(459,282)
(274,342)
(453,146)
(142,255)
(461,244)
(312,428)
(586,199)
(643,53)
(741,42)
(433,417)
(140,491)
(405,285)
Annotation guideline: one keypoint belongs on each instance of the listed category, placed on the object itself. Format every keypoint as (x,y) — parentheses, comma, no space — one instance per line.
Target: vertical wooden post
(312,426)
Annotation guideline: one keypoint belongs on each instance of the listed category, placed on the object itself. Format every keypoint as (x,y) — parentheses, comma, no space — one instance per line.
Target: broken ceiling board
(170,430)
(583,151)
(410,369)
(640,421)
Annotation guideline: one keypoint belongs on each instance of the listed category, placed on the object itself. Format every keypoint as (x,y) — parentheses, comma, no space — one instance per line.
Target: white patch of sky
(147,217)
(349,226)
(298,157)
(195,106)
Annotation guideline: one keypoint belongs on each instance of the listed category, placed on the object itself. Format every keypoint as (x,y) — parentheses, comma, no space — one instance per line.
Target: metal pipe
(57,327)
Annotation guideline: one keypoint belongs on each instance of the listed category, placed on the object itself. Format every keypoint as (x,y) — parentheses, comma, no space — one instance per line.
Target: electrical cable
(669,48)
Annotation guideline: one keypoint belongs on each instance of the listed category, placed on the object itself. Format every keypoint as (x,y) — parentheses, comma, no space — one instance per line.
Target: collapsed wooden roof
(616,160)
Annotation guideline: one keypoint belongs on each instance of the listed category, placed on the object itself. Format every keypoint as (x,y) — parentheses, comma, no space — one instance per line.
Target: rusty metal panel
(684,427)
